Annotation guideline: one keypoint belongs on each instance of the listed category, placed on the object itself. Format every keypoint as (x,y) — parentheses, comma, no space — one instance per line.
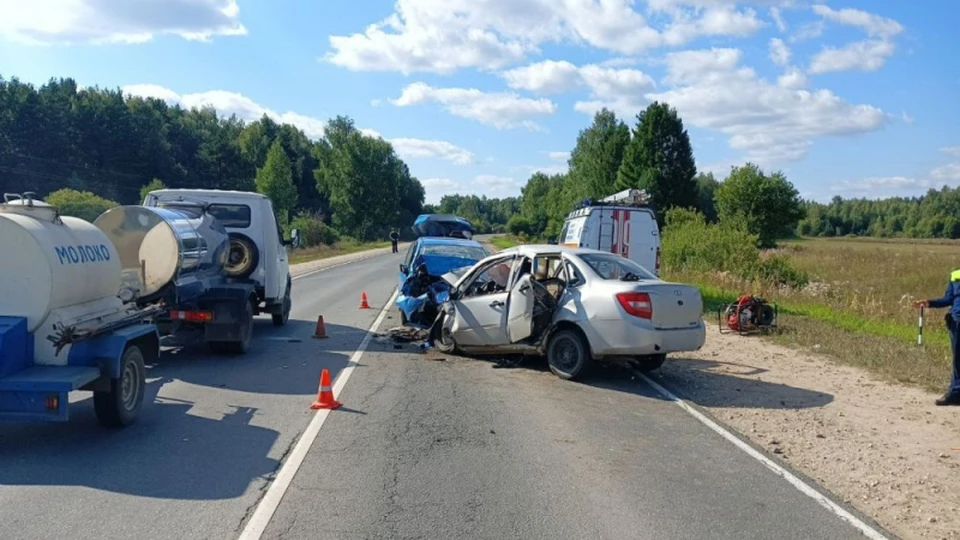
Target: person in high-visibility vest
(950,299)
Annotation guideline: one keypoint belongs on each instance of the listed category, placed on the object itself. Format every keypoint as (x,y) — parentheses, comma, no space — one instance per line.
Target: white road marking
(804,488)
(268,505)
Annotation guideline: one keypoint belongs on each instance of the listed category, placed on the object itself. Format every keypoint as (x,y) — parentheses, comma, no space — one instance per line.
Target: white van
(622,223)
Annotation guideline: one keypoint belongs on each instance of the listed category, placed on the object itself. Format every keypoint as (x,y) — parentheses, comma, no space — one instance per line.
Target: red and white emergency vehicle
(623,223)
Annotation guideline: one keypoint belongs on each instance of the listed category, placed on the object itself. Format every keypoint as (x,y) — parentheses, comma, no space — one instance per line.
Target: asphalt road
(426,446)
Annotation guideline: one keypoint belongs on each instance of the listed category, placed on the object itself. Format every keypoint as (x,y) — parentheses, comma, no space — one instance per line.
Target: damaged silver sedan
(575,306)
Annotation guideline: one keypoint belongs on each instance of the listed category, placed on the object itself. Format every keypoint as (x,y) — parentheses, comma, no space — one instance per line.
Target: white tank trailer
(177,258)
(62,313)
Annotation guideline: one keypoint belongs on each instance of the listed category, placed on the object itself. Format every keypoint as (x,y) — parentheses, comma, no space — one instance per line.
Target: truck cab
(257,251)
(623,223)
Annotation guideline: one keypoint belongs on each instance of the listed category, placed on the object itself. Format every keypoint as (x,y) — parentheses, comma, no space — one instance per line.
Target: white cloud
(560,156)
(779,52)
(496,181)
(721,20)
(620,90)
(501,110)
(770,122)
(792,79)
(442,36)
(951,150)
(117,21)
(435,188)
(420,148)
(873,25)
(865,55)
(778,19)
(547,77)
(868,55)
(949,172)
(370,133)
(885,186)
(229,103)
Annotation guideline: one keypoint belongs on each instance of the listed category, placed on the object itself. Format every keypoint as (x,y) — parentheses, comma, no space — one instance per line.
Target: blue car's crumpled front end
(424,289)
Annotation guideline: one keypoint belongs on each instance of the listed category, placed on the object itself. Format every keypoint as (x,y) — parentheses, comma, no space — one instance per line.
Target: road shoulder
(881,447)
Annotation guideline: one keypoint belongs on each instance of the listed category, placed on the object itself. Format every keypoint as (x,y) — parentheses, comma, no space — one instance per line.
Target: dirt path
(886,449)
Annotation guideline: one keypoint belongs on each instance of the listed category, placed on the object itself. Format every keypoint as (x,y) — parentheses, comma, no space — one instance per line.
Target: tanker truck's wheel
(280,319)
(120,406)
(242,256)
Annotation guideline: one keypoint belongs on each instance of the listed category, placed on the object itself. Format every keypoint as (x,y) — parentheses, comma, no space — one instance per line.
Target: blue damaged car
(422,289)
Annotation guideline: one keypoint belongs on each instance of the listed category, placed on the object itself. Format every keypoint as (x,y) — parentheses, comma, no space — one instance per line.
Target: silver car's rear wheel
(568,354)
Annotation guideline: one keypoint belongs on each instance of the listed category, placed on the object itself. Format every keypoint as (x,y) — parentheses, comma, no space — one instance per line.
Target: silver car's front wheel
(568,354)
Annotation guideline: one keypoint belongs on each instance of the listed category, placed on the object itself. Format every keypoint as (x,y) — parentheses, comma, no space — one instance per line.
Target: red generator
(748,315)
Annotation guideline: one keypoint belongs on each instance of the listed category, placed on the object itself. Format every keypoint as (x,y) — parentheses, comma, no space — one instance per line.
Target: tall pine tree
(659,159)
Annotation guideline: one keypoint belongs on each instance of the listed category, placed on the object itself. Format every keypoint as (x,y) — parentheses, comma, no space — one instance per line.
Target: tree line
(933,215)
(92,148)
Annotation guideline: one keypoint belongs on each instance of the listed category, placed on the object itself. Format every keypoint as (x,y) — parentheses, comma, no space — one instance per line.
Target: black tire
(242,256)
(568,354)
(442,338)
(280,319)
(120,406)
(242,345)
(646,364)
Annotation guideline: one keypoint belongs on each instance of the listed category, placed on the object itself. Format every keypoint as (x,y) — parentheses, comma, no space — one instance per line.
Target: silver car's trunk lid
(674,305)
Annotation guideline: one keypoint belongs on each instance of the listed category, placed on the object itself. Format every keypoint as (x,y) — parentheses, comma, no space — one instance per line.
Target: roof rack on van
(627,197)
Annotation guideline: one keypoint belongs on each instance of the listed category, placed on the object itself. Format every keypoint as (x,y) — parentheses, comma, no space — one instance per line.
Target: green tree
(706,194)
(769,206)
(81,204)
(659,159)
(596,158)
(275,180)
(154,185)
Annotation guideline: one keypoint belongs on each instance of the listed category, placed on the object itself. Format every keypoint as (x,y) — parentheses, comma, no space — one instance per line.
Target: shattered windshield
(616,267)
(450,250)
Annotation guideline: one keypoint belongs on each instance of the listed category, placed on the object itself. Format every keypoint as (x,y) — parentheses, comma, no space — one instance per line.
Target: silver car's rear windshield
(615,267)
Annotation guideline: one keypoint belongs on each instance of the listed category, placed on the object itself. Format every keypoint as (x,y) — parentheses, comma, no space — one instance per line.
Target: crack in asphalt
(265,485)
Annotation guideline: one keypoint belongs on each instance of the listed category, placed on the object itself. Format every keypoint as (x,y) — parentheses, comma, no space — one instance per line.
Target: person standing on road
(394,239)
(951,299)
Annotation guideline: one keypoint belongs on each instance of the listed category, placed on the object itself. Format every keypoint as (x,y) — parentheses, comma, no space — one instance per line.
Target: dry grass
(341,248)
(858,306)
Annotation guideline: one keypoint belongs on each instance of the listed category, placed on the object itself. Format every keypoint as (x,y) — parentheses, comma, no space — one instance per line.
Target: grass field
(341,248)
(858,305)
(504,242)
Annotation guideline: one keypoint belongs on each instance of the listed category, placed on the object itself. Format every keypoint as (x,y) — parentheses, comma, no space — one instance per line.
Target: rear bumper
(626,337)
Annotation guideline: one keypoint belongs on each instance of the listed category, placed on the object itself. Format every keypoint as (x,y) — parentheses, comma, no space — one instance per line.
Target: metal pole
(920,329)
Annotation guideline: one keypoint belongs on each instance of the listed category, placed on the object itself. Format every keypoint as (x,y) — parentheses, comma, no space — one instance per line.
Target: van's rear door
(643,239)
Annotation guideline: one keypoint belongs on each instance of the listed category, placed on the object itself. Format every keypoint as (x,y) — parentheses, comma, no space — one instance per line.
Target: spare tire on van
(242,256)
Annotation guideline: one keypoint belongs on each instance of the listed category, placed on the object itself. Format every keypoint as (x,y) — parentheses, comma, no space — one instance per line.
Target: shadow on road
(698,381)
(167,454)
(189,443)
(281,360)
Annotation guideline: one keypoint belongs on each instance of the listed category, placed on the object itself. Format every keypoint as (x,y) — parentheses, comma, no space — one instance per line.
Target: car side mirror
(403,268)
(552,241)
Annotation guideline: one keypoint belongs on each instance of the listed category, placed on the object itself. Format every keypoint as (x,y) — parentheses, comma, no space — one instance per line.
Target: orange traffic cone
(325,399)
(321,331)
(363,301)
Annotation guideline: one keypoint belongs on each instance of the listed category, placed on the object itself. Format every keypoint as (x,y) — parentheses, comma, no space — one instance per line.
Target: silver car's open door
(520,310)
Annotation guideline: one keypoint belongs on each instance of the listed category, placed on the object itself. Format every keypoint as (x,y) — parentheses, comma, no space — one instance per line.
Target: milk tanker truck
(66,321)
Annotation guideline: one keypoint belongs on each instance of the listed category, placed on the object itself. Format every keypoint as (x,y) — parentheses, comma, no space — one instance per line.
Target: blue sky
(850,98)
